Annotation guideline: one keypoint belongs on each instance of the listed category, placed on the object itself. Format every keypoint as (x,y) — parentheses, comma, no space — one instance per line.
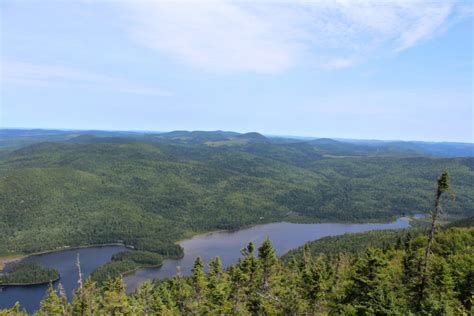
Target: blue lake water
(65,262)
(285,236)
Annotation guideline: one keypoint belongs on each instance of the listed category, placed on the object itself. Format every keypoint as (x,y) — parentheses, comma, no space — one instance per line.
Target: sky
(365,69)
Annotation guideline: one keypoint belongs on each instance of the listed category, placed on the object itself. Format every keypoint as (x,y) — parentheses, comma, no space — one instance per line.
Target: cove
(64,261)
(227,244)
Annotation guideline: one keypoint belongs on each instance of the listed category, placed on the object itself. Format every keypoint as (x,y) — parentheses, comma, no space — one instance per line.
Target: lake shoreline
(8,259)
(227,247)
(409,218)
(30,284)
(5,262)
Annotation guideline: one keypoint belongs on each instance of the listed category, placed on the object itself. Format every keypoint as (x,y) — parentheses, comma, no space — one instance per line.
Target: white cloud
(216,35)
(28,74)
(273,36)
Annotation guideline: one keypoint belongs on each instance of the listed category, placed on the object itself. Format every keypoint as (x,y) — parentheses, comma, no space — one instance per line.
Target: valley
(149,191)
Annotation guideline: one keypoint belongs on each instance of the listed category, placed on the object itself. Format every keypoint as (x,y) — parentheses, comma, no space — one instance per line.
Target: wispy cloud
(39,75)
(272,36)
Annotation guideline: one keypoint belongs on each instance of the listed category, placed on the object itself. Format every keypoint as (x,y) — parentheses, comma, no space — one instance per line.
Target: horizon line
(341,138)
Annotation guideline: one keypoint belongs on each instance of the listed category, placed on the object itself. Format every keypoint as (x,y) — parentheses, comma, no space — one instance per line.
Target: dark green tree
(442,187)
(53,304)
(369,292)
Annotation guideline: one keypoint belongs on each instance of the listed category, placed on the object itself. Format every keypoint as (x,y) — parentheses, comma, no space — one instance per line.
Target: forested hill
(151,190)
(16,138)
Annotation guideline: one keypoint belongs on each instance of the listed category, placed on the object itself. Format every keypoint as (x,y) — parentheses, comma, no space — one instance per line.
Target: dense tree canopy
(372,281)
(29,273)
(152,192)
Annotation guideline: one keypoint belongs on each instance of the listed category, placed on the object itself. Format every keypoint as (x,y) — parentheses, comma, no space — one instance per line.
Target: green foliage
(29,273)
(54,304)
(368,292)
(443,182)
(140,257)
(151,193)
(148,191)
(123,262)
(465,222)
(372,281)
(352,243)
(112,269)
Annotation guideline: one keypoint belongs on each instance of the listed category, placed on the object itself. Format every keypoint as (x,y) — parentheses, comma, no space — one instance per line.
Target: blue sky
(351,69)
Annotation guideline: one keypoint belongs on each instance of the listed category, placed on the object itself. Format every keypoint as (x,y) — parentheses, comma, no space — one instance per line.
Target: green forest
(124,262)
(422,270)
(29,273)
(371,281)
(149,191)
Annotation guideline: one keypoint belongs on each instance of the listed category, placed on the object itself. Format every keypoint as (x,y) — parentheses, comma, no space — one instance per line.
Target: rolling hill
(150,190)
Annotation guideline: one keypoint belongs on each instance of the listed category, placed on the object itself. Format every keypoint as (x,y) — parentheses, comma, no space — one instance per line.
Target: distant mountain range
(325,146)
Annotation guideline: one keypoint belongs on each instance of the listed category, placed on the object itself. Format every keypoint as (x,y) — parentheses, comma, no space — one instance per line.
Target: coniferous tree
(198,283)
(238,297)
(368,292)
(313,283)
(115,300)
(250,275)
(440,294)
(86,299)
(217,287)
(442,187)
(268,260)
(52,304)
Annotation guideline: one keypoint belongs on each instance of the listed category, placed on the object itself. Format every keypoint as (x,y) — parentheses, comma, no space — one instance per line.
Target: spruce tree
(115,300)
(268,259)
(52,304)
(368,292)
(217,287)
(442,187)
(198,279)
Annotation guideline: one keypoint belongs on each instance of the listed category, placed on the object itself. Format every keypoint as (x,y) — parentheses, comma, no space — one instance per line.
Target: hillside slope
(150,194)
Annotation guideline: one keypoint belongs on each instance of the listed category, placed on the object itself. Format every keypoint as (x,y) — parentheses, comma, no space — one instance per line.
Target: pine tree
(443,186)
(115,300)
(440,295)
(238,297)
(250,273)
(181,292)
(13,311)
(368,292)
(142,300)
(199,284)
(198,279)
(52,304)
(163,302)
(313,277)
(263,301)
(268,260)
(86,299)
(411,262)
(217,288)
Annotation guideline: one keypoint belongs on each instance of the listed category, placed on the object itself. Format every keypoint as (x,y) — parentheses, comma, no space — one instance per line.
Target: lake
(285,236)
(65,262)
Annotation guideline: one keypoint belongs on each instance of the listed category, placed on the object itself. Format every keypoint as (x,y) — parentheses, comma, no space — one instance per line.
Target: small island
(29,274)
(126,262)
